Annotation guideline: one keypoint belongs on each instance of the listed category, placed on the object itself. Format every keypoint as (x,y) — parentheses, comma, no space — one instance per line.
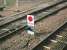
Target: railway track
(27,42)
(56,41)
(23,14)
(17,24)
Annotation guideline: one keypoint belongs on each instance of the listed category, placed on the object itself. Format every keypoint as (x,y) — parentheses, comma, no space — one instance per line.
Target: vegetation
(10,2)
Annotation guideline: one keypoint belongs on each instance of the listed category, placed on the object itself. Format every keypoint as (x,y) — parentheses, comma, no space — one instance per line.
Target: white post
(17,5)
(5,2)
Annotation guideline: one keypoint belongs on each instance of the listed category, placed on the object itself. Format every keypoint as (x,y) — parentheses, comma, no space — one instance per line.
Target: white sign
(30,20)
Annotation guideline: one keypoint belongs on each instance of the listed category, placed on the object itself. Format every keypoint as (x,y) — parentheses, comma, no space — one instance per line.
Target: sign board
(30,20)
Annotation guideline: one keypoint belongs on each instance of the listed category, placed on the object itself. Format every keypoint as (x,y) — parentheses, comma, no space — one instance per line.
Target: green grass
(11,2)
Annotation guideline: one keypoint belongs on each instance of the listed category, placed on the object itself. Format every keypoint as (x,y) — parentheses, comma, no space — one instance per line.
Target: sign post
(30,23)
